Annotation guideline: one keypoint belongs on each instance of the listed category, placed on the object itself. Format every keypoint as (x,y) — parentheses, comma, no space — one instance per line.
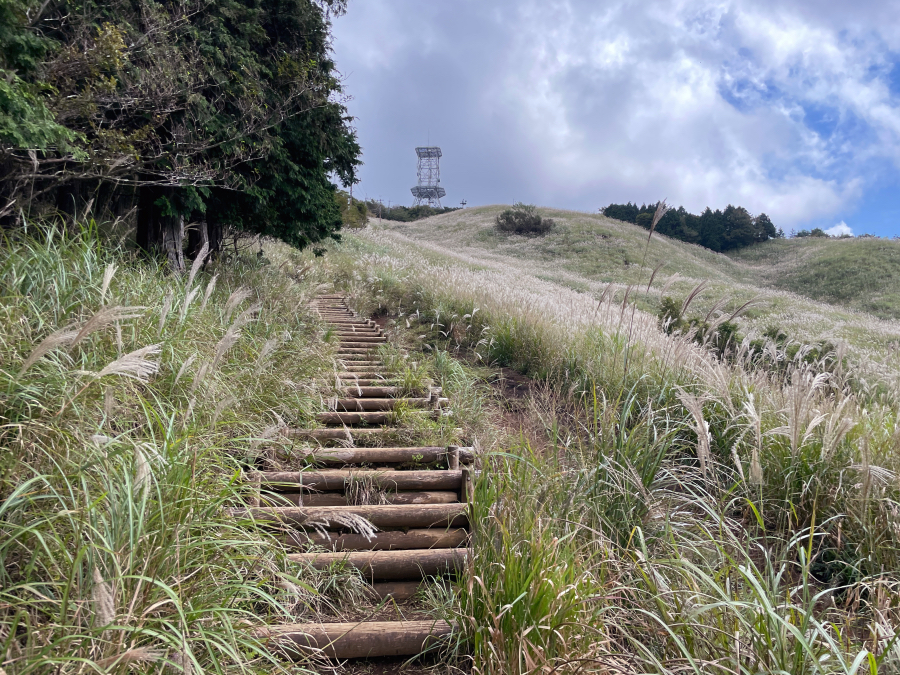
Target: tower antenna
(428,171)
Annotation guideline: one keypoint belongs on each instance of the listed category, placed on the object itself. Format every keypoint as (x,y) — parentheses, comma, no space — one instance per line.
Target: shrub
(523,219)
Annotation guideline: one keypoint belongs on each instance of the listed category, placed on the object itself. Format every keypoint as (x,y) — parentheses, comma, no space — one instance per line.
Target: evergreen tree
(712,229)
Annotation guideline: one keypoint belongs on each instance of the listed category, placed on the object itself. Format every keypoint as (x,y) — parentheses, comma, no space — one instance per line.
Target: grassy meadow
(644,506)
(651,507)
(132,401)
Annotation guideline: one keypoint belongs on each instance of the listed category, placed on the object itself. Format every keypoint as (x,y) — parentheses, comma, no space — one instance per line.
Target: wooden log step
(336,479)
(407,455)
(355,640)
(368,391)
(362,339)
(358,344)
(388,565)
(381,541)
(381,516)
(349,418)
(362,382)
(362,351)
(338,499)
(364,404)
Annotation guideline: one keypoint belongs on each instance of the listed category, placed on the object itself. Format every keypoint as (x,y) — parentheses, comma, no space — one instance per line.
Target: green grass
(814,290)
(125,434)
(859,274)
(691,514)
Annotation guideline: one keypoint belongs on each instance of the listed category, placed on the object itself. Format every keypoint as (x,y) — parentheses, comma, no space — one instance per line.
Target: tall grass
(691,513)
(129,410)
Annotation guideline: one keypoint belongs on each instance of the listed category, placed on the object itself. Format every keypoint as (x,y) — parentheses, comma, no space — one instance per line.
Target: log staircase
(420,514)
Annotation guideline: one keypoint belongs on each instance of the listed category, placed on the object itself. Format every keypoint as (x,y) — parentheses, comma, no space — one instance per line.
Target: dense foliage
(405,214)
(718,230)
(226,112)
(523,219)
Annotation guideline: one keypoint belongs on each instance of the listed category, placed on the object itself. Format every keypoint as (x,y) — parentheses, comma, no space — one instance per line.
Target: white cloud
(782,107)
(839,230)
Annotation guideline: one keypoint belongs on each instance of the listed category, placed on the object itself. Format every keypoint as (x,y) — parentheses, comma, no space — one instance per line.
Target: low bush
(523,219)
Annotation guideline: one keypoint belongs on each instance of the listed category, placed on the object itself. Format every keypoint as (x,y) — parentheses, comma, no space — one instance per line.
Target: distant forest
(718,230)
(405,214)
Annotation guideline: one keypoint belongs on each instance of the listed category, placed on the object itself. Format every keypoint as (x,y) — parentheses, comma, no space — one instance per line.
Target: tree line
(223,113)
(405,214)
(718,230)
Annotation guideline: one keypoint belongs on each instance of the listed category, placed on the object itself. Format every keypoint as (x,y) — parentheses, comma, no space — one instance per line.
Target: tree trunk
(158,233)
(173,241)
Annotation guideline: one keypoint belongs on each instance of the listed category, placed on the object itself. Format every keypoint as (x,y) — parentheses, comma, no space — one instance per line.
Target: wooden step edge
(336,479)
(380,516)
(392,540)
(340,499)
(359,640)
(391,565)
(385,455)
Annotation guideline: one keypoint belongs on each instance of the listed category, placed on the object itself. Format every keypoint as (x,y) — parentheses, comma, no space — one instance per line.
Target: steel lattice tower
(428,171)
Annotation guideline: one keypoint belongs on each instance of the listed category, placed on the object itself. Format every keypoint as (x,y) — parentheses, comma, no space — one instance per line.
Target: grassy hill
(812,289)
(861,274)
(691,498)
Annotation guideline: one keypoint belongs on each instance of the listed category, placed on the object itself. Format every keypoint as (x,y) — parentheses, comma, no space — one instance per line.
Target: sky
(786,108)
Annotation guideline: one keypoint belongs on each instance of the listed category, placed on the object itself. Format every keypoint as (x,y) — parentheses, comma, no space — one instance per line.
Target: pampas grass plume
(135,364)
(235,299)
(106,316)
(107,278)
(210,287)
(103,601)
(61,338)
(198,263)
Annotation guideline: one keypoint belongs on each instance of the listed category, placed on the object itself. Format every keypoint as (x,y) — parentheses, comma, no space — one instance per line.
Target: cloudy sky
(788,108)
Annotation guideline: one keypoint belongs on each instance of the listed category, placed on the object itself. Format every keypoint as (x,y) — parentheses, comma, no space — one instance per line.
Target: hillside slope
(862,274)
(591,253)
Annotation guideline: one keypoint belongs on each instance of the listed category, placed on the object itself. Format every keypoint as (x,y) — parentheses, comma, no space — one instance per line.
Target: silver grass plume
(220,406)
(661,210)
(198,263)
(210,287)
(190,410)
(185,366)
(267,349)
(701,427)
(106,316)
(200,377)
(143,472)
(103,600)
(107,278)
(135,364)
(268,433)
(235,299)
(61,338)
(671,280)
(132,656)
(164,312)
(189,298)
(353,522)
(234,333)
(756,472)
